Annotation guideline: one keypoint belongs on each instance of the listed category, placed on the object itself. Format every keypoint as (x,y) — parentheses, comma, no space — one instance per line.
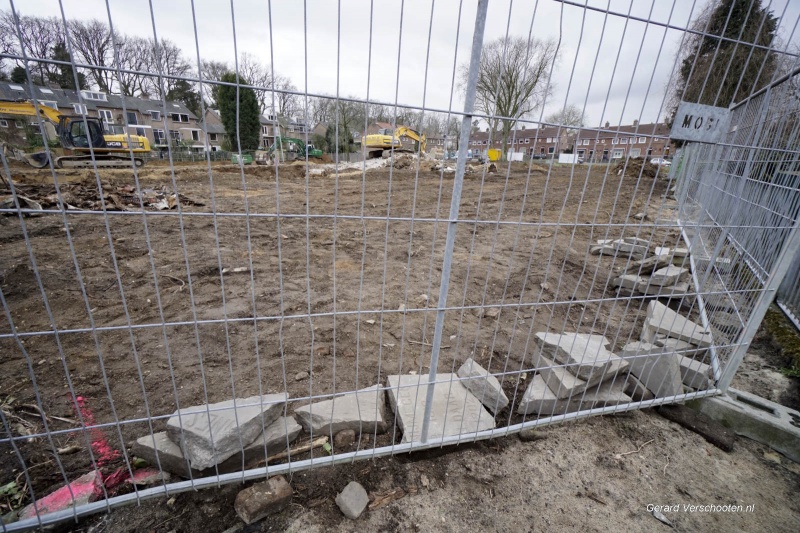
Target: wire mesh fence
(223,323)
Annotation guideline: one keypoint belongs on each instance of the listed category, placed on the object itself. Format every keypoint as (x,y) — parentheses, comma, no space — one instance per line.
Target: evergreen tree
(64,76)
(184,93)
(18,75)
(722,71)
(249,125)
(345,138)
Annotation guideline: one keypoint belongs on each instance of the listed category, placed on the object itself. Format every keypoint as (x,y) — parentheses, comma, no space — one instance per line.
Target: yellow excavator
(386,139)
(80,137)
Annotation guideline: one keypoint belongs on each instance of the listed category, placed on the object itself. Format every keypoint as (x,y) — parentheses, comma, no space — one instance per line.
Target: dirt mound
(637,167)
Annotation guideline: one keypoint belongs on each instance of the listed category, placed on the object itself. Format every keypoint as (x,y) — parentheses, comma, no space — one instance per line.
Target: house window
(140,132)
(19,124)
(642,140)
(154,115)
(132,118)
(551,150)
(649,152)
(581,152)
(636,152)
(618,152)
(92,95)
(528,141)
(602,141)
(158,136)
(212,137)
(106,115)
(264,130)
(624,141)
(195,135)
(614,141)
(586,142)
(52,104)
(79,109)
(179,117)
(549,139)
(175,134)
(3,123)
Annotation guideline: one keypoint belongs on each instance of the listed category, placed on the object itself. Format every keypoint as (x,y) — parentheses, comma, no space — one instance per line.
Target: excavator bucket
(37,160)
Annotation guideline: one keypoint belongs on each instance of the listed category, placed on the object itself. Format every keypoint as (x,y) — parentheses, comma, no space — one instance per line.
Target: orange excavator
(83,142)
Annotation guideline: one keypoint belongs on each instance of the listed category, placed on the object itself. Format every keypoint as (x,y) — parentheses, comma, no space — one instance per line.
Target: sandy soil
(170,271)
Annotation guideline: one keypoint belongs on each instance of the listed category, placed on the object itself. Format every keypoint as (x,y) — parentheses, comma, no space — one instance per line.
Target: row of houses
(163,123)
(591,144)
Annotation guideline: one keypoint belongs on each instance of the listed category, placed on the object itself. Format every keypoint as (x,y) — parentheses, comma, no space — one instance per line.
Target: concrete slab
(85,489)
(665,320)
(539,399)
(361,411)
(564,384)
(662,250)
(208,437)
(603,249)
(628,248)
(680,252)
(454,411)
(655,367)
(585,355)
(637,240)
(695,374)
(678,290)
(683,348)
(644,266)
(668,275)
(172,460)
(483,385)
(628,281)
(755,418)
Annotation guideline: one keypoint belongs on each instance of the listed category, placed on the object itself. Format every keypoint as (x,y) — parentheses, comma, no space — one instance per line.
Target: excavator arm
(29,110)
(414,135)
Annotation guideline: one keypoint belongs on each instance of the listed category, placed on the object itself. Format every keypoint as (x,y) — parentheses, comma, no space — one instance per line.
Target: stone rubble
(352,500)
(263,499)
(361,411)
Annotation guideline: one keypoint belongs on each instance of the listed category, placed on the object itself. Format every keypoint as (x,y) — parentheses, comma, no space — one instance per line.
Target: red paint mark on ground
(104,452)
(85,489)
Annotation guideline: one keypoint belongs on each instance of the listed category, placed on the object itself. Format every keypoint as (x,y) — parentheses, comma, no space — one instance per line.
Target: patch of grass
(785,338)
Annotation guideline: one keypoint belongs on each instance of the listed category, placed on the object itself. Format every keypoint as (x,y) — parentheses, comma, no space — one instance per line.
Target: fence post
(458,181)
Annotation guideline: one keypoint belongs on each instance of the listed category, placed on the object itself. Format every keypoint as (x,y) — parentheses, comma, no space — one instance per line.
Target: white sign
(568,158)
(700,123)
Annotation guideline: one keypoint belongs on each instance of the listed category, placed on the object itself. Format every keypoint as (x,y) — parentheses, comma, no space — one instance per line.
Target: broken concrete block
(454,410)
(628,281)
(563,382)
(695,374)
(637,391)
(584,355)
(648,334)
(352,500)
(148,476)
(539,399)
(658,369)
(636,240)
(680,252)
(679,290)
(483,385)
(171,458)
(85,489)
(604,249)
(263,499)
(209,435)
(665,320)
(682,348)
(645,266)
(669,275)
(602,242)
(491,312)
(361,411)
(626,247)
(662,250)
(344,439)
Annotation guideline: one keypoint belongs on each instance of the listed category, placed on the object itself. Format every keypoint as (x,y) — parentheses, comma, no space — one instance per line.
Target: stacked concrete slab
(220,437)
(574,371)
(667,332)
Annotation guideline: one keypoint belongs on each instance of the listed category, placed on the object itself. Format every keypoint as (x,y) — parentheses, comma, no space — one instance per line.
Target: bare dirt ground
(214,265)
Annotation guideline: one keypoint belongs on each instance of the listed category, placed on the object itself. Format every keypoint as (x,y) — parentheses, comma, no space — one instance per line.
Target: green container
(247,159)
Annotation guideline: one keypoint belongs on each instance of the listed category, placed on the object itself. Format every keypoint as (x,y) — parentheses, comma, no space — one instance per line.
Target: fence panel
(230,322)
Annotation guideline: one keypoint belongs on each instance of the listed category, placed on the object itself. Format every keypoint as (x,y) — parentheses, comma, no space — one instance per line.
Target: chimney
(608,124)
(635,123)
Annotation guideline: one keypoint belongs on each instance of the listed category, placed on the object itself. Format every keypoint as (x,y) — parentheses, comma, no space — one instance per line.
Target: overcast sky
(615,67)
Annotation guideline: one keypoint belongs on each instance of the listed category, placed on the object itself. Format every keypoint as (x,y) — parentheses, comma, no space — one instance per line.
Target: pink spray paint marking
(86,489)
(104,452)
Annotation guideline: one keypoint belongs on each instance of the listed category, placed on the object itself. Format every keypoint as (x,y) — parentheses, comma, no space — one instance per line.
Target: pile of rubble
(579,371)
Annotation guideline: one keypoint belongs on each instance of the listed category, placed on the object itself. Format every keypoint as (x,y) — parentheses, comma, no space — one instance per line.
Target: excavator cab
(78,135)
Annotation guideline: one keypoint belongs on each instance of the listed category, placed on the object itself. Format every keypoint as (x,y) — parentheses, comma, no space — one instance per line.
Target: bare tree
(570,117)
(167,59)
(212,71)
(133,54)
(93,45)
(257,75)
(39,37)
(513,79)
(287,104)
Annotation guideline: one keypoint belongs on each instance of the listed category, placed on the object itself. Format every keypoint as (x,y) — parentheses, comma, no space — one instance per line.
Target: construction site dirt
(342,271)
